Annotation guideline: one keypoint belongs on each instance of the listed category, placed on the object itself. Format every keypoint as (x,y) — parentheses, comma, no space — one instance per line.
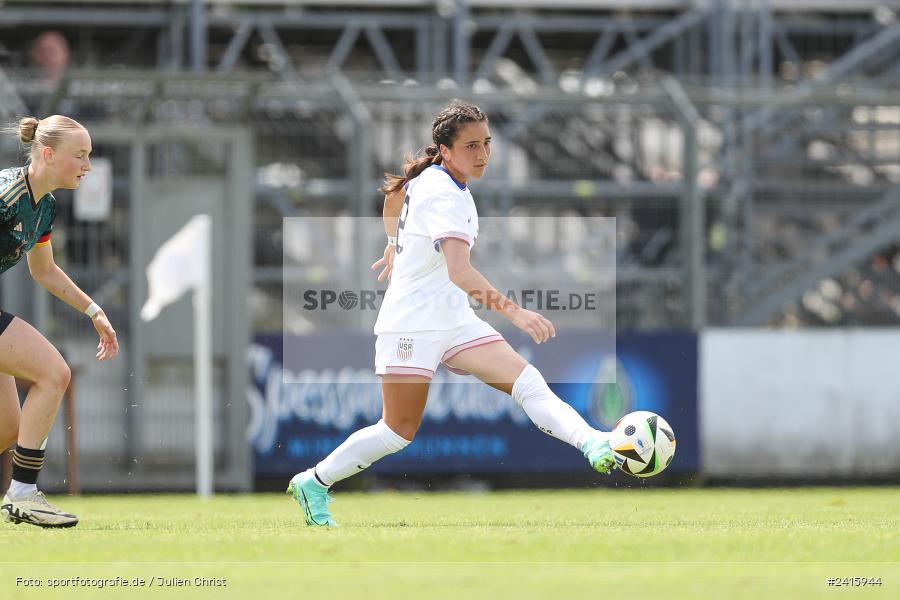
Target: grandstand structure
(577,88)
(748,149)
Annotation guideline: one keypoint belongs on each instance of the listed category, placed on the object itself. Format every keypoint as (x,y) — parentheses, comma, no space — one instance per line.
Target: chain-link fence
(731,207)
(134,415)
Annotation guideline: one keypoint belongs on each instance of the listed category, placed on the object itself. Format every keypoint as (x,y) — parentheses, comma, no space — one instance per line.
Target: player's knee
(58,376)
(407,431)
(62,376)
(405,428)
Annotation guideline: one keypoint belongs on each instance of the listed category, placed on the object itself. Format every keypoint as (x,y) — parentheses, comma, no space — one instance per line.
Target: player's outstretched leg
(404,400)
(599,453)
(313,498)
(497,364)
(361,449)
(25,353)
(34,509)
(556,418)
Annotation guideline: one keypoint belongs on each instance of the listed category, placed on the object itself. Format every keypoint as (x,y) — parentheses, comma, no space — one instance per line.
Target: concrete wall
(800,404)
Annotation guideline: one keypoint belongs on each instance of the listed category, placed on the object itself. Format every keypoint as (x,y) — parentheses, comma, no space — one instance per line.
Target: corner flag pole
(203,370)
(184,263)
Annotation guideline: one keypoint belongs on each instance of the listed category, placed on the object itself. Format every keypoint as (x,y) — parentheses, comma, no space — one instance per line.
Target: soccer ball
(643,443)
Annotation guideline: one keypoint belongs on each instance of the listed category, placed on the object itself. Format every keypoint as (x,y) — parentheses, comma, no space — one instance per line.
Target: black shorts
(5,319)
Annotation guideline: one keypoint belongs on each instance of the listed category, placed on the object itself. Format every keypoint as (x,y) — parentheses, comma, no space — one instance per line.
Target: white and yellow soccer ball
(643,443)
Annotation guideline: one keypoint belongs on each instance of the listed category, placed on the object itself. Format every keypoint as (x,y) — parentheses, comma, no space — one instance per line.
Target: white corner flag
(181,264)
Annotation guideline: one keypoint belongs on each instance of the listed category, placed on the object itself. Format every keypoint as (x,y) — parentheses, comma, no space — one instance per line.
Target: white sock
(17,489)
(550,414)
(359,451)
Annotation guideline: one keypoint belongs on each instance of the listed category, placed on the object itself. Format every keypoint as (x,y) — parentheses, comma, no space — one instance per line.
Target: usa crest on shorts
(405,349)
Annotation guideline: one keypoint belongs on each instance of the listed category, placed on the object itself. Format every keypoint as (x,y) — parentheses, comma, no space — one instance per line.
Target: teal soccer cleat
(313,499)
(599,453)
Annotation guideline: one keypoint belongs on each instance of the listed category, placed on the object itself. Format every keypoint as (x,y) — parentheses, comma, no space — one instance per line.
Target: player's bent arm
(46,272)
(393,204)
(470,280)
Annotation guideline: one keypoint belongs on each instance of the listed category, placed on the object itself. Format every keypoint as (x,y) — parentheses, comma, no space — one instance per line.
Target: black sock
(27,463)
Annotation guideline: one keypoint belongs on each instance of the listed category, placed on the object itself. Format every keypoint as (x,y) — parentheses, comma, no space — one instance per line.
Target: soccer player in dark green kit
(60,150)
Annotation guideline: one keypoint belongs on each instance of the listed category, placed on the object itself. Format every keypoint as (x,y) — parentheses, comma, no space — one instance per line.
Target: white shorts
(420,352)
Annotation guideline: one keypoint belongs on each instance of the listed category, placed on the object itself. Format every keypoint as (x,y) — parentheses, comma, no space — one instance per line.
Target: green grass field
(605,543)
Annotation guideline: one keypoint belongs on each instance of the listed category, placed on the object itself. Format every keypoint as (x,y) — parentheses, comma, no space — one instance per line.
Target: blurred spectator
(50,55)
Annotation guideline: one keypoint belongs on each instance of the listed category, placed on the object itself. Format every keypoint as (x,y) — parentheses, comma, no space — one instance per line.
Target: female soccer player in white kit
(425,317)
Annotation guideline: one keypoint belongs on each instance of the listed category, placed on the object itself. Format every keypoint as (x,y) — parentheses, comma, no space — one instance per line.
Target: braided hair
(444,130)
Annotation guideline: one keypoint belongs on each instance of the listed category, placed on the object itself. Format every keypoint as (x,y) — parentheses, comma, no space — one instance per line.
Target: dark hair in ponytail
(444,130)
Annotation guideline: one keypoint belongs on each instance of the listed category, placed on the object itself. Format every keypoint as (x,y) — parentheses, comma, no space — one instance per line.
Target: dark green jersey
(23,224)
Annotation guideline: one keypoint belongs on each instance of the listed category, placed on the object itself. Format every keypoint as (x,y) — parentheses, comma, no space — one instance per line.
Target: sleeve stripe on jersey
(43,240)
(13,193)
(452,234)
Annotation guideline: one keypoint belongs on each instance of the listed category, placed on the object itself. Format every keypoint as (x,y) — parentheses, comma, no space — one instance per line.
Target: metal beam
(867,232)
(462,39)
(642,55)
(321,21)
(823,245)
(235,47)
(424,63)
(600,51)
(134,82)
(766,49)
(886,40)
(494,51)
(63,17)
(176,36)
(270,37)
(383,51)
(692,213)
(198,36)
(537,55)
(660,36)
(342,49)
(828,6)
(647,30)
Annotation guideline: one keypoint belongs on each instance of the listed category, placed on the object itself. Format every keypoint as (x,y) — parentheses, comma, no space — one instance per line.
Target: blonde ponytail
(46,133)
(27,129)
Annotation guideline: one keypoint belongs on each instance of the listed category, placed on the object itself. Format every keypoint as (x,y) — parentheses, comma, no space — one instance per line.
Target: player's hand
(539,328)
(109,345)
(386,261)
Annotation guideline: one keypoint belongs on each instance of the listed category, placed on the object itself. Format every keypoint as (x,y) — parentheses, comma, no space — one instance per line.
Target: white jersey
(421,296)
